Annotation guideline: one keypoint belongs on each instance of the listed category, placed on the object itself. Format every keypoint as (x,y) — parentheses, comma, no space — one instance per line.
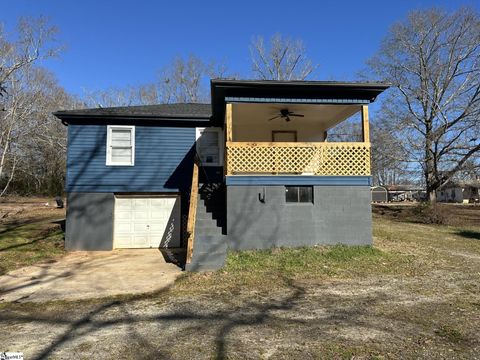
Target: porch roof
(298,92)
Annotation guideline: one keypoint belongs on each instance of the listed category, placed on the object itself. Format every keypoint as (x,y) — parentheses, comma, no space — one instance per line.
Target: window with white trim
(120,145)
(209,146)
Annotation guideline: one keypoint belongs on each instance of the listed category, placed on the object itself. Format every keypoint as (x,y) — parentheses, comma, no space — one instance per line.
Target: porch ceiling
(324,116)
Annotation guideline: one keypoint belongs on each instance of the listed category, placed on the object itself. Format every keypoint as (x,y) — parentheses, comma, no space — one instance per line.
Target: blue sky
(114,43)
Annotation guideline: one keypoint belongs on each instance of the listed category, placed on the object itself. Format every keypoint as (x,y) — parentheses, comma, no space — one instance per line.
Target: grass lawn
(414,294)
(30,232)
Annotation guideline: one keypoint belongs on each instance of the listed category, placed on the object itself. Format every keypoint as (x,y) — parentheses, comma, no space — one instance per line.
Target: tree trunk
(428,163)
(10,178)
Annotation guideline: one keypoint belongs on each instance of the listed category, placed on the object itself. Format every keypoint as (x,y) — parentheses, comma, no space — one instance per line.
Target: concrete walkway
(83,275)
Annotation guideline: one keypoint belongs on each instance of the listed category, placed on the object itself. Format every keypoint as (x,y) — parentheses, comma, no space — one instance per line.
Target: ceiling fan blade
(275,117)
(298,115)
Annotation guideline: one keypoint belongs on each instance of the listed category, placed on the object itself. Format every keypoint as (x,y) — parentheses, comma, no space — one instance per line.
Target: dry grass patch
(267,269)
(30,232)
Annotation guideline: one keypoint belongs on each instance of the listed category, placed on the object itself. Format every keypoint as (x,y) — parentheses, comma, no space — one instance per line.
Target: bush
(428,213)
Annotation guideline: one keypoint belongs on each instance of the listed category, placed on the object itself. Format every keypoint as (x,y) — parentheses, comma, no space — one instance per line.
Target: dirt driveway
(84,275)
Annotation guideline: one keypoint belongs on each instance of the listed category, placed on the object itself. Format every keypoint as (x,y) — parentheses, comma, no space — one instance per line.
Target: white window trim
(220,143)
(109,145)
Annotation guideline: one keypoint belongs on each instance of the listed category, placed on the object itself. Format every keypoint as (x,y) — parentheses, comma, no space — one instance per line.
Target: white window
(209,142)
(120,145)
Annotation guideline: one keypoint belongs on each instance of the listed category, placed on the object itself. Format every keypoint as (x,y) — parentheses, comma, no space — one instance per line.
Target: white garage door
(147,222)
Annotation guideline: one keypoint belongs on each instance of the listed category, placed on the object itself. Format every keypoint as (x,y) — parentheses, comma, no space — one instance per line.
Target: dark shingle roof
(161,111)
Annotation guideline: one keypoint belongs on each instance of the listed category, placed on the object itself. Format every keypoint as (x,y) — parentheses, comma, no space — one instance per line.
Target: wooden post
(365,124)
(192,213)
(228,136)
(228,122)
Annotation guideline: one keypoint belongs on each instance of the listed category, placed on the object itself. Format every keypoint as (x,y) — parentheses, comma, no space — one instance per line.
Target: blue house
(252,170)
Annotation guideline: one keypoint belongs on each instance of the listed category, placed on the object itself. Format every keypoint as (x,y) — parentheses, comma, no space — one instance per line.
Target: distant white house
(460,192)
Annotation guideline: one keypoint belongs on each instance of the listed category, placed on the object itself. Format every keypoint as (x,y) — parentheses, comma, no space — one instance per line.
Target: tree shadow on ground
(182,314)
(43,277)
(14,225)
(39,236)
(469,234)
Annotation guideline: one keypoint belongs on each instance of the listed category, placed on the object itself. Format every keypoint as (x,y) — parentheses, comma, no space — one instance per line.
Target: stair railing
(192,212)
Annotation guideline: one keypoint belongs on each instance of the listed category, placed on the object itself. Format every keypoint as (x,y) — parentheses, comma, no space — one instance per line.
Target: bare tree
(281,59)
(14,124)
(182,81)
(433,60)
(35,159)
(388,156)
(388,165)
(25,98)
(34,35)
(186,80)
(348,130)
(146,94)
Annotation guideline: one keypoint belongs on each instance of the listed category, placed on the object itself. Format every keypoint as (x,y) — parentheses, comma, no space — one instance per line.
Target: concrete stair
(210,244)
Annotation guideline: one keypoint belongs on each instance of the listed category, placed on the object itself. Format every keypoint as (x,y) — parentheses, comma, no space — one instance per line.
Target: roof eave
(333,84)
(65,116)
(221,88)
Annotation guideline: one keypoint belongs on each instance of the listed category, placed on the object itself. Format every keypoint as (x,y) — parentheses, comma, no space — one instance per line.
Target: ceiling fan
(285,114)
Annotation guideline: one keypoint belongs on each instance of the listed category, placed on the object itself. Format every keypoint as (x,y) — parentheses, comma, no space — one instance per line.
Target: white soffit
(322,114)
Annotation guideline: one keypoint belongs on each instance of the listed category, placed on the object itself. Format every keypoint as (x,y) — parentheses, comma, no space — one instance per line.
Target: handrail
(192,213)
(294,144)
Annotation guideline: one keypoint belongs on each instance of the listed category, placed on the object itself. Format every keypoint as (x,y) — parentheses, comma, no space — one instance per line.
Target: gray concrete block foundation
(338,215)
(89,224)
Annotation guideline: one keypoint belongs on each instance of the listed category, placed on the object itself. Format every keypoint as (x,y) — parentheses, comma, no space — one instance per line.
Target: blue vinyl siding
(163,160)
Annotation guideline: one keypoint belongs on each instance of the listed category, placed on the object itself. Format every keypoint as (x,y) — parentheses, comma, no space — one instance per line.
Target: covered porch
(291,138)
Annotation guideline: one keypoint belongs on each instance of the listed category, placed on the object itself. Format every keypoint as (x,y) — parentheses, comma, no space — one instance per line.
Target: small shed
(405,193)
(379,194)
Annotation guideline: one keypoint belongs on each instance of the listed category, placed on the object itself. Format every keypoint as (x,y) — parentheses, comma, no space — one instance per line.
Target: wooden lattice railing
(324,158)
